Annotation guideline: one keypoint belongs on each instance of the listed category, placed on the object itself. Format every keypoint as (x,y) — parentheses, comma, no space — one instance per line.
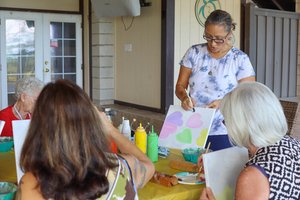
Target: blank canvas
(2,123)
(20,128)
(222,169)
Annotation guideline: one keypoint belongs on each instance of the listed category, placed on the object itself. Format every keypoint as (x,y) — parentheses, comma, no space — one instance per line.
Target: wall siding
(271,44)
(103,54)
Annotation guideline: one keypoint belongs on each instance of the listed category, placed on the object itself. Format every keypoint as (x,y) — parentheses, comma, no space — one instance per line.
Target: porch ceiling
(287,5)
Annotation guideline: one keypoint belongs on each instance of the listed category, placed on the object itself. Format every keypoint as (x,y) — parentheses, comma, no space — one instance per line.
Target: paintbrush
(188,95)
(200,168)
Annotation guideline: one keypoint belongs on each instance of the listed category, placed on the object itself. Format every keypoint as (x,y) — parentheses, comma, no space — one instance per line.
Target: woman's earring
(232,39)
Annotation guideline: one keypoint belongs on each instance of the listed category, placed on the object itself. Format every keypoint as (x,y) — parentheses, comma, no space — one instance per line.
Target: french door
(46,46)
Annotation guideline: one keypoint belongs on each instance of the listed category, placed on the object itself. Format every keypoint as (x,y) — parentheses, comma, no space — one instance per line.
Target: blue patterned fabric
(211,79)
(281,165)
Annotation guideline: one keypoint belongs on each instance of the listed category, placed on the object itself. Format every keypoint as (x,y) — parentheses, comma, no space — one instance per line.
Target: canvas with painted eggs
(186,129)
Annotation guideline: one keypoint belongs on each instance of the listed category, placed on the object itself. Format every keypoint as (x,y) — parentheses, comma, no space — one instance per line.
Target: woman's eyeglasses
(216,40)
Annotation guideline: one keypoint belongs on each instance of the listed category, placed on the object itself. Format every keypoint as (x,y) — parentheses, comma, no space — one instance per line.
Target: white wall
(138,70)
(131,76)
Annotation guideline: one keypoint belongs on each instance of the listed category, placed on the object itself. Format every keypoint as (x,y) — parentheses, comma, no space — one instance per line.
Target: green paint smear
(227,194)
(185,136)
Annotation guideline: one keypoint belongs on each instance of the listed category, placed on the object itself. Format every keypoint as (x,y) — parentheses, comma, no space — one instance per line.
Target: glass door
(46,46)
(63,56)
(20,52)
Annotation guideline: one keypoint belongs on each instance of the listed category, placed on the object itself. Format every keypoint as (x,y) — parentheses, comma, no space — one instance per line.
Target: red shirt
(8,116)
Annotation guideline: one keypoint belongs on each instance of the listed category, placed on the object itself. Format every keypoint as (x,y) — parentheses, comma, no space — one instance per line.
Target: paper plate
(188,178)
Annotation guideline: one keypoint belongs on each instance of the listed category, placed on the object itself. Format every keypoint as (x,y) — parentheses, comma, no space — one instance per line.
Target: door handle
(46,69)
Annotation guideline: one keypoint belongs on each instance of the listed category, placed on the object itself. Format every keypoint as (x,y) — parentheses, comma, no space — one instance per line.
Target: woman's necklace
(219,54)
(17,112)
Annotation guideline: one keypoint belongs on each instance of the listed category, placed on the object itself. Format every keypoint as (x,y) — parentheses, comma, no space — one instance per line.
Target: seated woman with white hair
(255,120)
(26,92)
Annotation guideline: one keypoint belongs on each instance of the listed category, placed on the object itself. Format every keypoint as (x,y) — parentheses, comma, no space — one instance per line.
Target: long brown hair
(65,148)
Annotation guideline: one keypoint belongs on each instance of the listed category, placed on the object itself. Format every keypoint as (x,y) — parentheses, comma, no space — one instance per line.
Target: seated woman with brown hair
(66,153)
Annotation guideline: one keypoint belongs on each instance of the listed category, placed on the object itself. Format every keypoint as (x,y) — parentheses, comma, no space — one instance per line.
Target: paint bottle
(121,125)
(152,146)
(126,130)
(141,138)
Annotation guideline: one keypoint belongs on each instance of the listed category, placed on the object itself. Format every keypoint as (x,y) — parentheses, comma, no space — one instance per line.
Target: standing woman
(26,91)
(211,70)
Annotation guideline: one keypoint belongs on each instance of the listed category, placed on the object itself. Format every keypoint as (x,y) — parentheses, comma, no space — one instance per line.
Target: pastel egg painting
(185,129)
(194,121)
(172,122)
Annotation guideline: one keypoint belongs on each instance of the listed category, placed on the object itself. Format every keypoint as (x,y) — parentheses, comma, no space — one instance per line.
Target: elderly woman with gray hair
(255,120)
(27,91)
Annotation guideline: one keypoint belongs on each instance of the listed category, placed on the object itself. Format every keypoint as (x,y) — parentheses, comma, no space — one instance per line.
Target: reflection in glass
(56,50)
(63,50)
(56,65)
(19,37)
(55,77)
(11,83)
(70,48)
(28,65)
(69,30)
(71,77)
(55,30)
(13,65)
(70,65)
(20,52)
(11,99)
(28,47)
(11,47)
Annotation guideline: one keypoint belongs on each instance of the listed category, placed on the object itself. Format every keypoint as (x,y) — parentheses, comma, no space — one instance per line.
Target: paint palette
(188,178)
(186,129)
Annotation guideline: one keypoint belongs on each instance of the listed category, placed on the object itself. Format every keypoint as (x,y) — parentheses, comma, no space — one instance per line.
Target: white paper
(2,123)
(185,129)
(222,169)
(20,128)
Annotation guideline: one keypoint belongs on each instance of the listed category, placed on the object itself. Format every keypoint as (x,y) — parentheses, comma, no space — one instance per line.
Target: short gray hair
(28,85)
(253,115)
